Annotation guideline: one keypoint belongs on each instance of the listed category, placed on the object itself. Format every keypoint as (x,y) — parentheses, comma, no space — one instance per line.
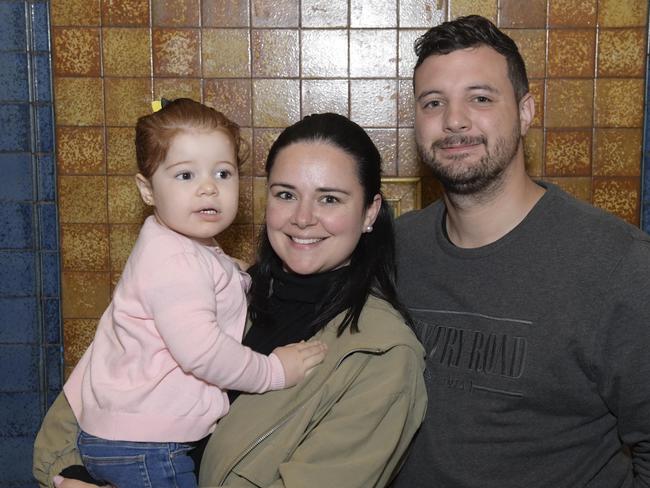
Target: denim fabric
(126,464)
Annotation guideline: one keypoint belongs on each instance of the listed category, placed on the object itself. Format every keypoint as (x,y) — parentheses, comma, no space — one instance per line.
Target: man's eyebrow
(488,88)
(427,93)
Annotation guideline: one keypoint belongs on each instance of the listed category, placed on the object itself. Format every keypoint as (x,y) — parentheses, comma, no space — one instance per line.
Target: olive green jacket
(348,424)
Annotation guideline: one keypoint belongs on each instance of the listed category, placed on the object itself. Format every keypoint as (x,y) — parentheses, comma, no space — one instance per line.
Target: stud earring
(369,228)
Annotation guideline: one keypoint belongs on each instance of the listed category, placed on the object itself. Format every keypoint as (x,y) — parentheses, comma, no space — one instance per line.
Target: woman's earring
(369,228)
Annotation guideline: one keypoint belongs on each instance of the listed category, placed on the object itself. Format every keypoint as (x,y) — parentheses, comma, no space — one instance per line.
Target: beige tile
(621,52)
(373,103)
(126,100)
(534,152)
(279,13)
(176,13)
(237,241)
(276,103)
(85,294)
(320,96)
(176,52)
(259,200)
(618,152)
(619,102)
(232,97)
(246,151)
(225,53)
(421,13)
(75,52)
(622,13)
(75,12)
(172,88)
(84,247)
(373,53)
(324,53)
(127,52)
(226,13)
(386,142)
(536,89)
(80,150)
(406,54)
(120,151)
(373,13)
(125,12)
(82,199)
(532,46)
(78,101)
(267,44)
(77,336)
(580,187)
(408,161)
(572,13)
(569,103)
(619,196)
(263,139)
(568,153)
(486,8)
(122,239)
(245,212)
(513,14)
(406,105)
(324,13)
(124,203)
(571,53)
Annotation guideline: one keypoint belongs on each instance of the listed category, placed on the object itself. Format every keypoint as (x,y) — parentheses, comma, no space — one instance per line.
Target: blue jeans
(126,464)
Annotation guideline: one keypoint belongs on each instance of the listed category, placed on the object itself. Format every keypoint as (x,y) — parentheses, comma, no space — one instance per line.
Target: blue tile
(50,274)
(20,368)
(16,228)
(20,319)
(16,459)
(13,28)
(51,308)
(14,83)
(17,176)
(17,274)
(20,414)
(40,26)
(45,131)
(43,78)
(48,226)
(16,123)
(54,358)
(46,178)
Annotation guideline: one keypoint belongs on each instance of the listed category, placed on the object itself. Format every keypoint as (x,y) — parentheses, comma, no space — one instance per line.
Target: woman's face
(315,212)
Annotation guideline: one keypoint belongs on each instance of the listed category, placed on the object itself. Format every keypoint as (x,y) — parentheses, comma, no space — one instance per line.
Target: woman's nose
(304,215)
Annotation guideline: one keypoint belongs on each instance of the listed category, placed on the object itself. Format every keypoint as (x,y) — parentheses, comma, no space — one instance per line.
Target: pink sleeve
(181,295)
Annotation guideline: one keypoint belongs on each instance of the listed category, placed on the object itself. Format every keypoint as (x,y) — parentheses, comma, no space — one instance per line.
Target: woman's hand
(61,482)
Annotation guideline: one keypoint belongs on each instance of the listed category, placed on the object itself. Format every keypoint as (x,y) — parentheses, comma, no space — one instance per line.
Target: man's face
(468,124)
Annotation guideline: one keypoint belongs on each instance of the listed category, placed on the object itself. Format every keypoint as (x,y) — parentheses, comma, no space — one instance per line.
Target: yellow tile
(176,52)
(225,53)
(237,241)
(386,142)
(421,13)
(77,336)
(124,203)
(75,12)
(406,105)
(172,88)
(536,89)
(78,101)
(226,13)
(259,199)
(569,103)
(621,52)
(324,53)
(122,239)
(82,199)
(263,139)
(486,8)
(534,152)
(618,152)
(571,53)
(619,103)
(324,13)
(232,97)
(276,103)
(120,150)
(80,150)
(532,46)
(373,102)
(622,13)
(125,12)
(619,196)
(320,96)
(513,14)
(126,100)
(267,44)
(279,13)
(579,187)
(373,53)
(568,153)
(85,294)
(75,52)
(577,13)
(373,13)
(84,247)
(245,212)
(127,52)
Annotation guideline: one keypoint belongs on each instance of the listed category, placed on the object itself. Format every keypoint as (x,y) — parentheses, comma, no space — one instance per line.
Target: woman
(325,269)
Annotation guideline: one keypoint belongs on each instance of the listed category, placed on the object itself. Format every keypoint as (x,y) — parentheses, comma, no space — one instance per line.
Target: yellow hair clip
(156,105)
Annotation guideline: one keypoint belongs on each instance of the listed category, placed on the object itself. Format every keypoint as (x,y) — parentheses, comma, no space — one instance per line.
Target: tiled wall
(30,324)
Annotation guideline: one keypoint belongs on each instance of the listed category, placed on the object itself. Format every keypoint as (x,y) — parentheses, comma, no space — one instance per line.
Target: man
(534,308)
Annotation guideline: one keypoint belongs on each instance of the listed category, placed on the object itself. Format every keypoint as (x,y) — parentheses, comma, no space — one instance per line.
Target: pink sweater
(168,344)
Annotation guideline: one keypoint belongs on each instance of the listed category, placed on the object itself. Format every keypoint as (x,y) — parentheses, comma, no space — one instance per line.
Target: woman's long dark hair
(372,264)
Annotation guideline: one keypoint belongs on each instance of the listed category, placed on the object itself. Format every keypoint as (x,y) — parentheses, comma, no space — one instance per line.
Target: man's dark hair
(472,31)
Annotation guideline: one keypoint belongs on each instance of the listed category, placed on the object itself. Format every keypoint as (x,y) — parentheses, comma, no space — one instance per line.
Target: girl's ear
(145,189)
(372,211)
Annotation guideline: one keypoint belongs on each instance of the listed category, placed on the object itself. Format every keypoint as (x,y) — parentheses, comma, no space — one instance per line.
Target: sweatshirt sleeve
(625,359)
(180,292)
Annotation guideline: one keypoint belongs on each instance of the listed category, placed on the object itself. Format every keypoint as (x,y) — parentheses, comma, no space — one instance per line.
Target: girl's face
(315,211)
(195,190)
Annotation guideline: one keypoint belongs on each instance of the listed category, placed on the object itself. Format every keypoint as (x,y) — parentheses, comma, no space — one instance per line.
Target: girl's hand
(298,359)
(61,482)
(243,265)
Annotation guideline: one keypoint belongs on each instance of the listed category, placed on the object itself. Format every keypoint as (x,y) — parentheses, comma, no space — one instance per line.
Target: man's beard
(474,178)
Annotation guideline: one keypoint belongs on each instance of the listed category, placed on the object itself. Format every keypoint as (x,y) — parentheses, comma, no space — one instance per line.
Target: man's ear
(145,189)
(526,112)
